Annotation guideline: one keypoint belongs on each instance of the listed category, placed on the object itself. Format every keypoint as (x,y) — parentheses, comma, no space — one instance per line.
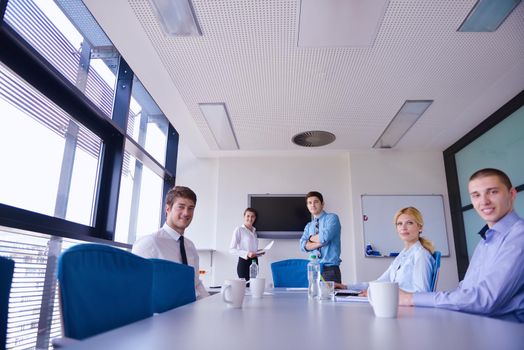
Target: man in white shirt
(169,242)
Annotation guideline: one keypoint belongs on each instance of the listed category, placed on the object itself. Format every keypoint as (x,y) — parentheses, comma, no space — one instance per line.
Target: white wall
(239,177)
(391,172)
(222,187)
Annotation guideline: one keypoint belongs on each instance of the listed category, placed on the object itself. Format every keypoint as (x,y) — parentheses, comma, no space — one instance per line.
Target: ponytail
(426,243)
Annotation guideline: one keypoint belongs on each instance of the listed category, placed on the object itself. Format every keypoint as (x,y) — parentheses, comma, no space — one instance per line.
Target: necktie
(183,250)
(316,232)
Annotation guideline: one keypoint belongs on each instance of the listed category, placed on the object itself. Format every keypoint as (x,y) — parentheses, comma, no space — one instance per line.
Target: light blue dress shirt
(329,236)
(494,282)
(412,269)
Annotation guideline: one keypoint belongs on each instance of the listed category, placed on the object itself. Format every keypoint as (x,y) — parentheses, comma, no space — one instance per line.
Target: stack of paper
(352,299)
(266,248)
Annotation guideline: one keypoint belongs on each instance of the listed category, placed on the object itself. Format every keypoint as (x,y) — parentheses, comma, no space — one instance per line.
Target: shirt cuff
(424,299)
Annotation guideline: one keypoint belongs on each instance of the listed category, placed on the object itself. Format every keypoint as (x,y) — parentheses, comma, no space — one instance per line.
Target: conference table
(287,319)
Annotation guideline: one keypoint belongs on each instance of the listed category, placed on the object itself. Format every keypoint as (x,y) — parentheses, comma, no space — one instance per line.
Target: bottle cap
(313,256)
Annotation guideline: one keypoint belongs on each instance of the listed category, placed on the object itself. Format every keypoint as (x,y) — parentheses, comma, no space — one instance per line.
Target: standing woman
(244,244)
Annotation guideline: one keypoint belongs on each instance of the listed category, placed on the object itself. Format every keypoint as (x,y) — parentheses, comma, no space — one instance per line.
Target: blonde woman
(413,267)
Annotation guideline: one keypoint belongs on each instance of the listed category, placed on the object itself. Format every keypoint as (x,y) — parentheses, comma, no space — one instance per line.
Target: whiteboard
(378,212)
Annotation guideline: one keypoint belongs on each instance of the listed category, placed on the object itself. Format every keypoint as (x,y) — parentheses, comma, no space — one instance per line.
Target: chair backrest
(173,285)
(102,288)
(436,269)
(7,266)
(291,273)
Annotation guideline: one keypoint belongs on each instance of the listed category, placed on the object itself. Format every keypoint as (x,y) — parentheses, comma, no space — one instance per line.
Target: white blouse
(412,269)
(243,242)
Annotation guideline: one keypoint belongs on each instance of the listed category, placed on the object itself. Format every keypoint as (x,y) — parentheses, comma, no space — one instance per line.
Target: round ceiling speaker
(314,138)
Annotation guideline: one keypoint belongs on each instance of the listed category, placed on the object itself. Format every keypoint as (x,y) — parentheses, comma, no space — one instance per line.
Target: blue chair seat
(7,267)
(290,273)
(436,269)
(102,288)
(173,285)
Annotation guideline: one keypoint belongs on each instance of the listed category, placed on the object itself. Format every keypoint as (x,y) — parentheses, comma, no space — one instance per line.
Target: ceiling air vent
(314,138)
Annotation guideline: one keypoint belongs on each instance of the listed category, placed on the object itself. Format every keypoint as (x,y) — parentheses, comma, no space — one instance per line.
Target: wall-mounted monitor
(280,215)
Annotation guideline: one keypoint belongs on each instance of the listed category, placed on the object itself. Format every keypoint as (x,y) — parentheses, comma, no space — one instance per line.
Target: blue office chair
(290,273)
(436,269)
(7,267)
(173,285)
(102,288)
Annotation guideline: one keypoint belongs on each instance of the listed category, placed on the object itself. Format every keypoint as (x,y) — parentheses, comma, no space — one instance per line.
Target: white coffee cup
(383,296)
(257,286)
(233,292)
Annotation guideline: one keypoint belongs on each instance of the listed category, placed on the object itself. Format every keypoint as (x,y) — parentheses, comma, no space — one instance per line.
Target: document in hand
(266,248)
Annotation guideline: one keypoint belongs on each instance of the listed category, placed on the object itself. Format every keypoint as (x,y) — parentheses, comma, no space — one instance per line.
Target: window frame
(450,165)
(29,65)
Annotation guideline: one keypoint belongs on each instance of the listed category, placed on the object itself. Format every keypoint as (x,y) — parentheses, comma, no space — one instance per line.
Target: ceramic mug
(233,292)
(257,286)
(383,296)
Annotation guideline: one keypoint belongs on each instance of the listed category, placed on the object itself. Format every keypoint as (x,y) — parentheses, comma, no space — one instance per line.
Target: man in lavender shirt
(494,282)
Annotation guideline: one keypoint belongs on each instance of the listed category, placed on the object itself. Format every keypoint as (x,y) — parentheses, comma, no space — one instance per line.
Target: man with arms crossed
(322,235)
(494,282)
(169,243)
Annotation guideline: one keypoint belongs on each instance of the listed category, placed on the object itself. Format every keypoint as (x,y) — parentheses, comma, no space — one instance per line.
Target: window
(140,204)
(147,124)
(497,142)
(500,147)
(34,314)
(89,62)
(52,160)
(65,164)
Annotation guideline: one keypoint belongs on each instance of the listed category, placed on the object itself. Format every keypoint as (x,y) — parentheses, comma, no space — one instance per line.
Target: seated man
(494,282)
(168,243)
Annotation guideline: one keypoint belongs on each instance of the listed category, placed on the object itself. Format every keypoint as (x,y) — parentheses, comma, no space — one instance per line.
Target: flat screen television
(280,215)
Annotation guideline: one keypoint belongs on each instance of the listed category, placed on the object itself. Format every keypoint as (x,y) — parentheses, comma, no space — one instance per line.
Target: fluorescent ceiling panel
(405,118)
(488,15)
(340,23)
(218,120)
(177,17)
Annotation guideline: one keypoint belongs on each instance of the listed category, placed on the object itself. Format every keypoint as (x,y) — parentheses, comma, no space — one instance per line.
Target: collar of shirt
(405,253)
(502,226)
(253,227)
(171,232)
(320,215)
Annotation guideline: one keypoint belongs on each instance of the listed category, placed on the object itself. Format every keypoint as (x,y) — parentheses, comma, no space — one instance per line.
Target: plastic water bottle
(313,276)
(253,270)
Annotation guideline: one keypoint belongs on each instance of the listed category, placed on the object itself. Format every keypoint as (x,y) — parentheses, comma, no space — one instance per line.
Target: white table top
(288,320)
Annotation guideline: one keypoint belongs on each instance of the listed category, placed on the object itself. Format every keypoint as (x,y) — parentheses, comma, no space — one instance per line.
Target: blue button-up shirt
(494,282)
(329,236)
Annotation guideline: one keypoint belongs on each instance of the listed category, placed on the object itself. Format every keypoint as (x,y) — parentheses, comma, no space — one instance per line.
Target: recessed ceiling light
(177,17)
(219,123)
(408,115)
(488,15)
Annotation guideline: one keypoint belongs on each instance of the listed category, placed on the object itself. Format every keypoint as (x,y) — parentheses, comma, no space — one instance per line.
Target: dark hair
(251,210)
(315,194)
(182,192)
(492,172)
